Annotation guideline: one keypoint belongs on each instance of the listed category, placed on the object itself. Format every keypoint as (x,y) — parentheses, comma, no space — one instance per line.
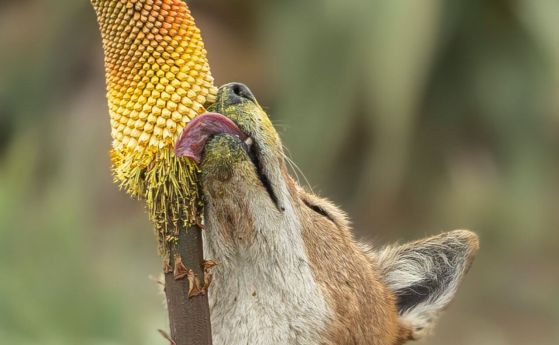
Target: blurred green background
(414,116)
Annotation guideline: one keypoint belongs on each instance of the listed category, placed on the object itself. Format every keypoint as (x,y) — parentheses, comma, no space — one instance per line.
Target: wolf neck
(263,289)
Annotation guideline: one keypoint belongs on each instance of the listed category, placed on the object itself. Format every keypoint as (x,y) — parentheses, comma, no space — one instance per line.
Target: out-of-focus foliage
(415,116)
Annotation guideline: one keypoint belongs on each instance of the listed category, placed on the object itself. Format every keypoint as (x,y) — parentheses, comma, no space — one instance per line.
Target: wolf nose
(237,93)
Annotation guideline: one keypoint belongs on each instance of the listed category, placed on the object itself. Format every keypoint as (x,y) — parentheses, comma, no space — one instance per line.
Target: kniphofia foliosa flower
(158,79)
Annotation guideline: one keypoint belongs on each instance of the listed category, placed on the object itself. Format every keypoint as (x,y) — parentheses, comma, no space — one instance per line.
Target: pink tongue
(194,137)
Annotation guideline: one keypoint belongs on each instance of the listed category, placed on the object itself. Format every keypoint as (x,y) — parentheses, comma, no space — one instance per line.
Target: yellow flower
(158,79)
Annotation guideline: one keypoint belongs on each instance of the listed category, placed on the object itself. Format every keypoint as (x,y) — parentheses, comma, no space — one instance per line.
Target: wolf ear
(425,275)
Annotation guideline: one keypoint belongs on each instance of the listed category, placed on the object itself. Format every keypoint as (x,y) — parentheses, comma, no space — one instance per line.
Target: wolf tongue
(194,137)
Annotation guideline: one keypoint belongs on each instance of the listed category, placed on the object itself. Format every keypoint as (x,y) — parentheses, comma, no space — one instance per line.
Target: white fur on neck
(264,292)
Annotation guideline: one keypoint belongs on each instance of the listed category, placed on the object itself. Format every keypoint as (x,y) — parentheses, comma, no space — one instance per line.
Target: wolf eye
(319,210)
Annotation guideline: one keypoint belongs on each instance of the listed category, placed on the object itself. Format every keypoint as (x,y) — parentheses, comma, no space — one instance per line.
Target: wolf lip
(194,137)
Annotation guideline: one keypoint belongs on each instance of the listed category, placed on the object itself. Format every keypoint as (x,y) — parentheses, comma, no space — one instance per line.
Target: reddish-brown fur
(365,310)
(356,296)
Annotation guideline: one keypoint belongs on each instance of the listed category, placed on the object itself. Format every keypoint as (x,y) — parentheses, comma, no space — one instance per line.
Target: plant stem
(189,318)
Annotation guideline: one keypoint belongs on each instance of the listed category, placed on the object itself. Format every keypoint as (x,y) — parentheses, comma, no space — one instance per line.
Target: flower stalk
(158,79)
